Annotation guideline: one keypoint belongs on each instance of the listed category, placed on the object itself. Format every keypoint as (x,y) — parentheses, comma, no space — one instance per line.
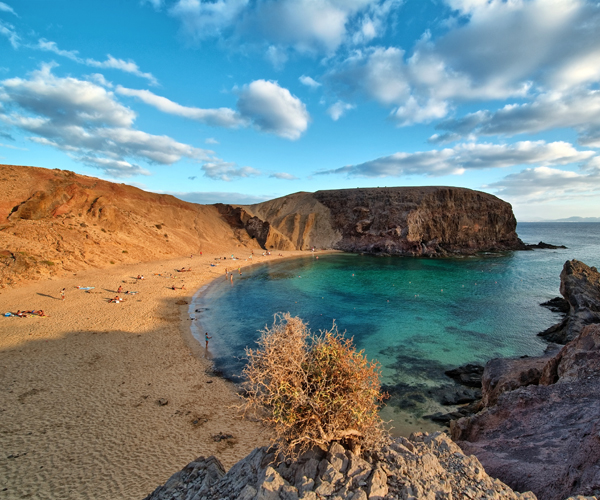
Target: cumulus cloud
(110,63)
(220,117)
(264,104)
(579,110)
(308,26)
(273,109)
(200,20)
(463,157)
(86,121)
(227,171)
(499,50)
(338,109)
(543,184)
(284,176)
(309,82)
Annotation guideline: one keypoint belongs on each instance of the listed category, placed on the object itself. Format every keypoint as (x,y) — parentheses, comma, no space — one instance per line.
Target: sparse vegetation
(47,262)
(313,389)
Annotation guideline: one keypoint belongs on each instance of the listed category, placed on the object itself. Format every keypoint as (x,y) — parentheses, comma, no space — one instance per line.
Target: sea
(418,317)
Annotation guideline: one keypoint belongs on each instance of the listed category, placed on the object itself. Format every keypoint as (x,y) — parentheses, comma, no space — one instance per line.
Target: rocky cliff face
(540,429)
(422,467)
(428,221)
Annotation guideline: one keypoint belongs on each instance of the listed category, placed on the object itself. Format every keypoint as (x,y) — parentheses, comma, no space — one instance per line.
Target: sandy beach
(107,400)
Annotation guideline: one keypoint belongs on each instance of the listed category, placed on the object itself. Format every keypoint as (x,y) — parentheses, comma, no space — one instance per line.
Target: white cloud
(8,30)
(114,168)
(273,109)
(67,101)
(264,104)
(220,117)
(284,176)
(87,122)
(463,157)
(500,50)
(211,140)
(579,110)
(120,64)
(7,8)
(201,20)
(309,82)
(226,171)
(544,184)
(276,56)
(338,109)
(110,63)
(100,80)
(308,26)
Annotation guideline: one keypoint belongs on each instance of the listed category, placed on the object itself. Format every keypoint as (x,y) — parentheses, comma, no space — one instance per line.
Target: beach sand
(83,391)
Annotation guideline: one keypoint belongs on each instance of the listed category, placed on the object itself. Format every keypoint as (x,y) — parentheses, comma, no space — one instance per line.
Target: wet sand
(104,400)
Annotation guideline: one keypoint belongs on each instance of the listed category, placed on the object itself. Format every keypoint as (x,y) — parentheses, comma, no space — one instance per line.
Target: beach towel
(85,287)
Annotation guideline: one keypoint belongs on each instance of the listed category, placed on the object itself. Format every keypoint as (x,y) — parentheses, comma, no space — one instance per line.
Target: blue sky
(247,100)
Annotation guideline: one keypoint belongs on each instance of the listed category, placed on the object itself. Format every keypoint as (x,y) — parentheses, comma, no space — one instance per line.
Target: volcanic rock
(422,467)
(420,221)
(545,437)
(580,286)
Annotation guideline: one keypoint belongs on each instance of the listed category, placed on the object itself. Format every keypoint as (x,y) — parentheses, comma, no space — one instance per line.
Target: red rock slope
(53,221)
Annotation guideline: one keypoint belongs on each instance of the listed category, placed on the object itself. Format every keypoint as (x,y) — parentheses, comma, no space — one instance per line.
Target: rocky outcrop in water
(422,467)
(540,429)
(420,221)
(580,286)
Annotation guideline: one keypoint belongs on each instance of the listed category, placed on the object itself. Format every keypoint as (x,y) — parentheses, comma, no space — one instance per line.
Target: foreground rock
(580,286)
(422,467)
(542,434)
(428,221)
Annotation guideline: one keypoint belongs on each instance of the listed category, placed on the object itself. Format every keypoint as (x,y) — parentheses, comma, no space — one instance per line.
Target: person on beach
(206,337)
(120,289)
(62,294)
(240,270)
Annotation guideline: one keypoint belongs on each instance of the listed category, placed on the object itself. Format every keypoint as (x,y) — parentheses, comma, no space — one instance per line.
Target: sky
(241,101)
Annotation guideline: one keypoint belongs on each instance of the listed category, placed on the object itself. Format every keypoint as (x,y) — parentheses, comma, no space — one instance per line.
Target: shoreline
(83,390)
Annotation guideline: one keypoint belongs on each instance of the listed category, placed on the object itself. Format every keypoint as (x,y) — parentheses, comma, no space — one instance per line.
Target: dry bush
(313,389)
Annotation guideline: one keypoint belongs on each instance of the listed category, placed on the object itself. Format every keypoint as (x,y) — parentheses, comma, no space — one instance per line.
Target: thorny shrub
(313,389)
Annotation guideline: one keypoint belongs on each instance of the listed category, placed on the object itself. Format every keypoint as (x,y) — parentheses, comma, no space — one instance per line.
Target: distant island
(568,219)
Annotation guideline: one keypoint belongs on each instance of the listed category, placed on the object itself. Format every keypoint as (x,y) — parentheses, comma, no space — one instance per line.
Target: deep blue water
(416,316)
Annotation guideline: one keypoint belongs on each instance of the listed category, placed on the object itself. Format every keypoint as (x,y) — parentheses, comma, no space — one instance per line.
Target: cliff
(539,429)
(422,467)
(55,221)
(52,221)
(418,221)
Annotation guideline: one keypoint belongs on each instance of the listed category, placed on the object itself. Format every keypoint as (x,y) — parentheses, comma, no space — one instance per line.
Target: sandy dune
(79,410)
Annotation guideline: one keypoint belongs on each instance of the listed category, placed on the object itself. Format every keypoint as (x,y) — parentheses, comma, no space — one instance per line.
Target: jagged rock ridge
(428,221)
(422,467)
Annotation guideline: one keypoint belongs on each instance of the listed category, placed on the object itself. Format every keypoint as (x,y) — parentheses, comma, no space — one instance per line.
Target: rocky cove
(536,429)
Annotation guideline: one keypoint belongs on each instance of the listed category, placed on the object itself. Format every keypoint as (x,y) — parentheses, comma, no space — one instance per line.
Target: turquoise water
(417,317)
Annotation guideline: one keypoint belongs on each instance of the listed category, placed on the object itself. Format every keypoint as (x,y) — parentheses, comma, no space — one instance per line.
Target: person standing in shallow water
(206,337)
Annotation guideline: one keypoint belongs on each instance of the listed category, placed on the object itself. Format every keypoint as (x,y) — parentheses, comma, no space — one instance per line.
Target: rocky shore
(539,428)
